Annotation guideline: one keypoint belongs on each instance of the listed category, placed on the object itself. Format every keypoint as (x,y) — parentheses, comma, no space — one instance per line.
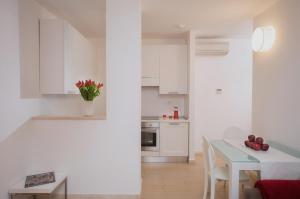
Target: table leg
(233,182)
(259,175)
(66,188)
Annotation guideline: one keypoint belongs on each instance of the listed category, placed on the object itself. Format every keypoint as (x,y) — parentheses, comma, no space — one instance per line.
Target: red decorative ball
(251,138)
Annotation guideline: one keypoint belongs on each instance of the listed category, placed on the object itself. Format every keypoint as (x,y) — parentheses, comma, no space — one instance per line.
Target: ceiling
(210,17)
(88,16)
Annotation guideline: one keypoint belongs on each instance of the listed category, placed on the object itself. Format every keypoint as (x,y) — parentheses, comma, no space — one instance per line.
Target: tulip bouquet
(89,89)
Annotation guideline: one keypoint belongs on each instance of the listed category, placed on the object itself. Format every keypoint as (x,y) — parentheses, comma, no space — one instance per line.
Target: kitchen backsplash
(154,104)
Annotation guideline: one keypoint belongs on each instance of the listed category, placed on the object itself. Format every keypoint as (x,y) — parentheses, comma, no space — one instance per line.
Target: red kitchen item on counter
(176,114)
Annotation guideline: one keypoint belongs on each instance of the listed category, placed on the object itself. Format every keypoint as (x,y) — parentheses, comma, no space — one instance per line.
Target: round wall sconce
(263,38)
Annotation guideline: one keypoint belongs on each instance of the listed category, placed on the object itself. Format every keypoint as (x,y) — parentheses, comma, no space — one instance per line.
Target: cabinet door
(79,63)
(66,56)
(173,69)
(51,56)
(174,139)
(150,65)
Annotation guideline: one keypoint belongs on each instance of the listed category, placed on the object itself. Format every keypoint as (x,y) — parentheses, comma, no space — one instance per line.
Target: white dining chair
(214,173)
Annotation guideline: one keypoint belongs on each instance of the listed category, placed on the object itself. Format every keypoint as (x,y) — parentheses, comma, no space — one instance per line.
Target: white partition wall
(124,89)
(101,157)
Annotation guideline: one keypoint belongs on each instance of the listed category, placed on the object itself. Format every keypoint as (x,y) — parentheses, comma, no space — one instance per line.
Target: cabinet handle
(172,92)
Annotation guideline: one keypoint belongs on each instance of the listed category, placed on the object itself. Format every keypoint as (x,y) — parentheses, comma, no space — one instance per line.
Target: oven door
(150,139)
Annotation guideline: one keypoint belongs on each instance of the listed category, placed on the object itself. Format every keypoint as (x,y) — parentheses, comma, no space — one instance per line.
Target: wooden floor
(170,181)
(177,181)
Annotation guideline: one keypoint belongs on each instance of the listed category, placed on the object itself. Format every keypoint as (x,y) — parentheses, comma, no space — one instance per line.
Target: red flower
(79,84)
(100,85)
(88,83)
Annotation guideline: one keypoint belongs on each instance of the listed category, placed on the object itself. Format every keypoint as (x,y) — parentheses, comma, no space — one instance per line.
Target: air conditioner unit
(211,47)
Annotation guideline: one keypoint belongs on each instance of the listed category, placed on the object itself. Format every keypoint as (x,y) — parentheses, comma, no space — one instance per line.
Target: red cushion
(279,189)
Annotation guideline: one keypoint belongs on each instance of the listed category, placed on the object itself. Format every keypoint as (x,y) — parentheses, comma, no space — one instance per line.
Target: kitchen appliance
(150,136)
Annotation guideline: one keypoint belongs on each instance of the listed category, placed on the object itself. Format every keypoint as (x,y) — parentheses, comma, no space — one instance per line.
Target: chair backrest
(209,160)
(234,132)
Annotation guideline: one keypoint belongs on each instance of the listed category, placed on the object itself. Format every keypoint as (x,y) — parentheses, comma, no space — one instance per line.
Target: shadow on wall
(15,158)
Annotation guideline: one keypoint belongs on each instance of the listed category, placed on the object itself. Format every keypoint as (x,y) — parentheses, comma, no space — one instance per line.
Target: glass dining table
(236,160)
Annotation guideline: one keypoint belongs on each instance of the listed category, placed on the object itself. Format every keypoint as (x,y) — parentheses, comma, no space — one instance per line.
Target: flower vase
(88,108)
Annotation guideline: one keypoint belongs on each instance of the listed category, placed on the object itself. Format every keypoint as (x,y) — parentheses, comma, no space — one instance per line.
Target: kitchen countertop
(161,119)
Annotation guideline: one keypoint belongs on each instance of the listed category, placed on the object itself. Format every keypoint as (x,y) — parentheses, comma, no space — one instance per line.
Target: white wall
(100,157)
(238,30)
(14,110)
(214,113)
(100,50)
(164,39)
(154,104)
(124,93)
(276,81)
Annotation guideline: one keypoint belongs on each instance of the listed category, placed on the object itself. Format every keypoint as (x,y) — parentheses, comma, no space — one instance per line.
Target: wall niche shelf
(68,117)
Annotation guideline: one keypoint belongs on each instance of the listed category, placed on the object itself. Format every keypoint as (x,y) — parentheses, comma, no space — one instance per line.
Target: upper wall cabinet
(150,65)
(66,56)
(173,69)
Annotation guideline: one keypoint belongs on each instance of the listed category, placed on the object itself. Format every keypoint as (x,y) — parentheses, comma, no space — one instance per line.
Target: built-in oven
(150,136)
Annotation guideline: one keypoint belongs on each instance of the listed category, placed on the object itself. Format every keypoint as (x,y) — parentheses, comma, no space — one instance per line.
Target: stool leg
(34,196)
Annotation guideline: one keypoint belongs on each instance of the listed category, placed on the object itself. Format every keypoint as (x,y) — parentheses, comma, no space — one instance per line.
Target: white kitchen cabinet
(66,56)
(150,65)
(174,138)
(173,69)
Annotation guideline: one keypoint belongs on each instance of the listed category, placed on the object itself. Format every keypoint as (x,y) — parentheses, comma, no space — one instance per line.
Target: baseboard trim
(164,159)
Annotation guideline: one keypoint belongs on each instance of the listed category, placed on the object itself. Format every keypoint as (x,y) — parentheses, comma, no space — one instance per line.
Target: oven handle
(149,130)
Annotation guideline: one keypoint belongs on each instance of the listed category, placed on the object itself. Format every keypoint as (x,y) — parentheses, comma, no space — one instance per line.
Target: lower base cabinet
(174,139)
